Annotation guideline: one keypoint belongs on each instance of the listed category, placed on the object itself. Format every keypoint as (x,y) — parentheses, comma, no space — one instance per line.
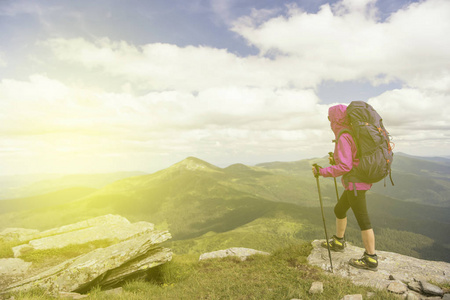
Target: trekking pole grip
(332,162)
(317,170)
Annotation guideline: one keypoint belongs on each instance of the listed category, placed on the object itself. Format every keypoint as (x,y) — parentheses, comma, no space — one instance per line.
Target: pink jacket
(344,149)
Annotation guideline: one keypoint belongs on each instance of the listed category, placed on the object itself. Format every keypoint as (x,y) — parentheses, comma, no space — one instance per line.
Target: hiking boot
(366,262)
(336,244)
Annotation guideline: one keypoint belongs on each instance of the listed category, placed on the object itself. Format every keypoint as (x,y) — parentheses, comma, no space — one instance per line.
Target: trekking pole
(332,162)
(323,217)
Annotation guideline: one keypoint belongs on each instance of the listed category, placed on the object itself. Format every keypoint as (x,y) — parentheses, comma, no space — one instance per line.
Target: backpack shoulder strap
(345,130)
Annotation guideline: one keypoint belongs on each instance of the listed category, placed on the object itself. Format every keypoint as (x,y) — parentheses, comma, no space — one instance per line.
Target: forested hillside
(206,207)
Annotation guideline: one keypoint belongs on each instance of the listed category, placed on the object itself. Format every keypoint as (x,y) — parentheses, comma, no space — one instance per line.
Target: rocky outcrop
(12,269)
(139,251)
(104,227)
(17,234)
(398,273)
(241,253)
(22,234)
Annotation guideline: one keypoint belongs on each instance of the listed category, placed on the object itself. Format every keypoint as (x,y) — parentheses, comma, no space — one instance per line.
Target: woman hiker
(345,159)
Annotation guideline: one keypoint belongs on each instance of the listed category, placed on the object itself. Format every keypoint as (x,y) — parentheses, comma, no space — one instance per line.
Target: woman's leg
(340,210)
(368,238)
(341,225)
(359,207)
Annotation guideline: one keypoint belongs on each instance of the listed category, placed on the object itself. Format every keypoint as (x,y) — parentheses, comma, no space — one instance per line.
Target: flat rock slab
(13,266)
(20,234)
(85,235)
(97,221)
(242,253)
(401,267)
(78,273)
(431,289)
(23,234)
(11,270)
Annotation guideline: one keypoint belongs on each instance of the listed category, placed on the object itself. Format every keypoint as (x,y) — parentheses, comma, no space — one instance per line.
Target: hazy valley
(265,206)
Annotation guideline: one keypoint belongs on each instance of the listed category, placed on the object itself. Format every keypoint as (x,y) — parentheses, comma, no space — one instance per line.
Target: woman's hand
(315,170)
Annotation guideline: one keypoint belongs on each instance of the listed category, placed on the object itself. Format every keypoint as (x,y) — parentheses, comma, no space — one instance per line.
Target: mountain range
(207,208)
(20,186)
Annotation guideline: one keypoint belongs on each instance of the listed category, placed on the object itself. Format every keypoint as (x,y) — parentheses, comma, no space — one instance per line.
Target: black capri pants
(358,205)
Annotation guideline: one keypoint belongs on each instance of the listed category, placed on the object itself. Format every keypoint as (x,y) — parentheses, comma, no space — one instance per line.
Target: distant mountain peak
(238,166)
(195,164)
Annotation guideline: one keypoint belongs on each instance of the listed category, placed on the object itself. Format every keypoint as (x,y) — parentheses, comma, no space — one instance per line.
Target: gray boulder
(241,253)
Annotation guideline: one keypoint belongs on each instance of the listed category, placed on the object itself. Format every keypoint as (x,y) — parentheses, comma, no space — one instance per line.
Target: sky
(105,86)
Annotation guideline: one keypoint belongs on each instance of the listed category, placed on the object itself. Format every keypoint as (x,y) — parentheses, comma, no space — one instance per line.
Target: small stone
(116,291)
(415,286)
(316,288)
(431,289)
(70,295)
(241,253)
(353,297)
(397,288)
(413,296)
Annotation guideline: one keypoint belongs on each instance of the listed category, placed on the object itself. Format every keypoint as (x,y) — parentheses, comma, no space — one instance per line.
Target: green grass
(36,256)
(6,248)
(282,275)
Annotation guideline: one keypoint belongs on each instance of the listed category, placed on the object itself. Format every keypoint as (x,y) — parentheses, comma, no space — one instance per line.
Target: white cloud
(348,42)
(414,109)
(46,102)
(343,42)
(46,117)
(211,103)
(418,120)
(165,66)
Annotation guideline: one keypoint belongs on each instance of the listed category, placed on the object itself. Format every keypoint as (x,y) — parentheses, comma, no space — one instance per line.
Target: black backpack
(373,144)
